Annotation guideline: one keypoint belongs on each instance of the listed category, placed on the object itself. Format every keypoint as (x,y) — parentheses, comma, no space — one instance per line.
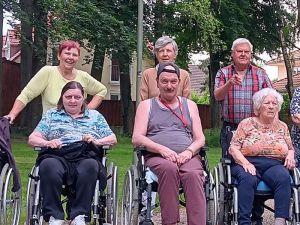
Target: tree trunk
(215,108)
(98,60)
(125,88)
(39,58)
(288,66)
(26,53)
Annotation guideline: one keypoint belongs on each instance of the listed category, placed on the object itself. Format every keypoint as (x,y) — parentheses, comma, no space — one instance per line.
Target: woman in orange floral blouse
(262,150)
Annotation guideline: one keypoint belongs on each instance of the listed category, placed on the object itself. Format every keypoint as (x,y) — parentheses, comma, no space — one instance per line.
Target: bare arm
(198,136)
(235,147)
(16,109)
(95,102)
(109,140)
(37,139)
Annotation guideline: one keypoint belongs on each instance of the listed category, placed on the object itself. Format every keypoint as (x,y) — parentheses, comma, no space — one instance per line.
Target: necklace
(181,116)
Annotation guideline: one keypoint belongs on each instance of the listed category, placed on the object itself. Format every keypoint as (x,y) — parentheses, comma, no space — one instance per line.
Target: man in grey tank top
(170,128)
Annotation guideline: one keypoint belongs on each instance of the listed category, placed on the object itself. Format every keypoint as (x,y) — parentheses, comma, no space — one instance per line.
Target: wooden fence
(11,84)
(111,109)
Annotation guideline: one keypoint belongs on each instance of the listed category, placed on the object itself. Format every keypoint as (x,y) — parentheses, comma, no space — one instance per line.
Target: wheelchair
(104,208)
(139,179)
(10,200)
(227,193)
(10,187)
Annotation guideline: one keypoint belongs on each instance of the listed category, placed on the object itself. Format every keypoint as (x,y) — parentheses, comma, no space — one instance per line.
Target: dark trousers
(276,177)
(52,175)
(225,138)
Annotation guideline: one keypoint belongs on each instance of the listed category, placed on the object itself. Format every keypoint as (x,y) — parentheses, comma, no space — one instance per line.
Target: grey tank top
(167,129)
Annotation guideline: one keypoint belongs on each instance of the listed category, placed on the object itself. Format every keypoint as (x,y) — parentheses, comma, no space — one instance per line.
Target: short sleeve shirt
(237,104)
(60,125)
(255,139)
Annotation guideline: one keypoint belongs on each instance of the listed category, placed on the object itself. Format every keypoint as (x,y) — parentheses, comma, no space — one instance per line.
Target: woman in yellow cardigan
(49,81)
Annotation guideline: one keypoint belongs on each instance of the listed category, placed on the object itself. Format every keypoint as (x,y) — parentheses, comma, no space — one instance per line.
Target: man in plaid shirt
(234,87)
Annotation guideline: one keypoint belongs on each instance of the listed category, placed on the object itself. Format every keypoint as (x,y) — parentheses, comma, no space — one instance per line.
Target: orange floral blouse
(255,139)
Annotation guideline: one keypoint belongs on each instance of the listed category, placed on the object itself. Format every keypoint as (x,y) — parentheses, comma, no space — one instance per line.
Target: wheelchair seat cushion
(263,188)
(150,176)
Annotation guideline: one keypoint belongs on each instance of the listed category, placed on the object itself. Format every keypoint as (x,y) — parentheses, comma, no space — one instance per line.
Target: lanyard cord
(181,117)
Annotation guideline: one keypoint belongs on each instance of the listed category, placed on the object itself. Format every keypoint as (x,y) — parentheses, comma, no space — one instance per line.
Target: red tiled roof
(198,78)
(280,85)
(279,60)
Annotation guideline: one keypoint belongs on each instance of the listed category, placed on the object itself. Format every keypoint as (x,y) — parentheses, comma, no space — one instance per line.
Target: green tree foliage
(190,22)
(203,99)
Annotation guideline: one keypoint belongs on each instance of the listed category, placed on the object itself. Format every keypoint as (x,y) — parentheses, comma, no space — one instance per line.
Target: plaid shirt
(237,104)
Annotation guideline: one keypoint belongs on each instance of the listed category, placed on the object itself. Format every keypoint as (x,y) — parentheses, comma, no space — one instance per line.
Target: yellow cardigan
(48,83)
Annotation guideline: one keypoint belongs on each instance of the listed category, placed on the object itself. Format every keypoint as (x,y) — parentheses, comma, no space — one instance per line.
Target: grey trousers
(190,177)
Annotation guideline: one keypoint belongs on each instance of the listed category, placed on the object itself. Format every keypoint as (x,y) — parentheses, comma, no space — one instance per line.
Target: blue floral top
(60,125)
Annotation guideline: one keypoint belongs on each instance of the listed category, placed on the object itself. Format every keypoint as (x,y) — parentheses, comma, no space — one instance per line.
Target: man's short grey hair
(241,41)
(259,97)
(163,41)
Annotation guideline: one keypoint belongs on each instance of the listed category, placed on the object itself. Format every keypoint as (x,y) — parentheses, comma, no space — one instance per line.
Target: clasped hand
(56,143)
(179,159)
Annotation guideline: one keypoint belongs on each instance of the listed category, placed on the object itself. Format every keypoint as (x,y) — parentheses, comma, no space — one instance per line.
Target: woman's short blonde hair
(259,97)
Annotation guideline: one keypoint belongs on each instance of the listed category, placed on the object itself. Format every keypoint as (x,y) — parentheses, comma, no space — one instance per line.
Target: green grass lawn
(121,155)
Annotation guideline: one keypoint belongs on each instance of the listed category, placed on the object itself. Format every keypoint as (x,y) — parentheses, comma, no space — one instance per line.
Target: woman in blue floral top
(70,133)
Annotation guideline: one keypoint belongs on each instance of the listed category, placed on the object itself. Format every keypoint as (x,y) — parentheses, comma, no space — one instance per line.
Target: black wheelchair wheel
(211,201)
(223,209)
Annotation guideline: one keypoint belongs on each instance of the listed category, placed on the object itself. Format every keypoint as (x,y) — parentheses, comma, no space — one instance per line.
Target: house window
(115,71)
(114,96)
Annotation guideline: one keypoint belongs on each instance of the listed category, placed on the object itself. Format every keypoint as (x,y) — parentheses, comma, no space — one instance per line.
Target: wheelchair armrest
(203,150)
(38,148)
(106,147)
(140,150)
(226,161)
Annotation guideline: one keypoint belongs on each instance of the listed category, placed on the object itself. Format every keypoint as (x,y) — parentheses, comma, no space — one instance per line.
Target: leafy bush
(284,114)
(212,137)
(201,99)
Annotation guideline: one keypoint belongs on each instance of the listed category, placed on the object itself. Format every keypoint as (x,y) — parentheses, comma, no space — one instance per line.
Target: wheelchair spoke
(11,201)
